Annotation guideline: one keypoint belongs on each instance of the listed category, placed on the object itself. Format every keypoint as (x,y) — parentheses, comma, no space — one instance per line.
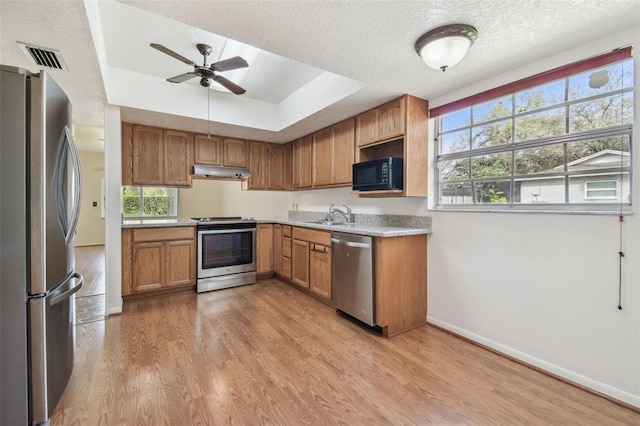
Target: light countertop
(357,228)
(156,223)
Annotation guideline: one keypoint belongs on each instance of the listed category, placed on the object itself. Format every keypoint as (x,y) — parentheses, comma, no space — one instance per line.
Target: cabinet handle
(320,249)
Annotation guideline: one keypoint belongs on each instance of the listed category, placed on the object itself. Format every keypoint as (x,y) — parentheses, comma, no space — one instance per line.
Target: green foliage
(146,201)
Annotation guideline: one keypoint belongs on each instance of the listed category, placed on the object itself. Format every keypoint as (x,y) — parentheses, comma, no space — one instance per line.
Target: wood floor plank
(268,354)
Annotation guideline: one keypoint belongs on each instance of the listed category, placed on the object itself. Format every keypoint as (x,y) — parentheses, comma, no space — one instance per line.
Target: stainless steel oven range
(226,252)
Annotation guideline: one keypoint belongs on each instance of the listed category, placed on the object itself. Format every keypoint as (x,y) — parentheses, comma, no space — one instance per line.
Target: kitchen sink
(327,222)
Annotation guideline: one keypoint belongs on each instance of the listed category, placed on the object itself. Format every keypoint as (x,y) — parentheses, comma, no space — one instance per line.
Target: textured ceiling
(367,41)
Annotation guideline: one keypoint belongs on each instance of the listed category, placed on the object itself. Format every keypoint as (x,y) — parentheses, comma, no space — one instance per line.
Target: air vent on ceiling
(43,56)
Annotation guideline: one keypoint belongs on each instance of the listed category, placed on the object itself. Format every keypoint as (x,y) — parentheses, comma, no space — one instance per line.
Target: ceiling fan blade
(229,64)
(229,84)
(172,53)
(182,77)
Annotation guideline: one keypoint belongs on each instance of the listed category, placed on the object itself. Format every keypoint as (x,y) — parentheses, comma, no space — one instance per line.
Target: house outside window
(548,147)
(601,189)
(143,201)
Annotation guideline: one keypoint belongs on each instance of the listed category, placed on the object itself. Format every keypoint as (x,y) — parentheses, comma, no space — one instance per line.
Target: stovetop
(223,220)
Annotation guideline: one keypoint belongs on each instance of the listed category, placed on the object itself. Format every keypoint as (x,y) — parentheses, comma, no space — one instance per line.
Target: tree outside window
(149,201)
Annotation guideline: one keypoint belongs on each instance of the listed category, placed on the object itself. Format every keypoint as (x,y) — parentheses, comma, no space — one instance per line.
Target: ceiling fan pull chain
(208,115)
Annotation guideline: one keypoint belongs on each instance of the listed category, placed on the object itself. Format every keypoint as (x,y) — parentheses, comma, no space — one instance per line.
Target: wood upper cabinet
(264,248)
(234,152)
(343,151)
(158,259)
(300,263)
(147,150)
(277,165)
(257,165)
(322,157)
(208,150)
(178,158)
(154,156)
(320,270)
(402,132)
(391,119)
(367,127)
(333,154)
(301,156)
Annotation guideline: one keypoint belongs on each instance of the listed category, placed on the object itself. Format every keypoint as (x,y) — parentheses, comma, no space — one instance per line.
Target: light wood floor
(90,299)
(267,354)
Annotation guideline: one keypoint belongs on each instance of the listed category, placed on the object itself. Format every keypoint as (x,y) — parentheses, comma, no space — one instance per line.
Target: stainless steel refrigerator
(40,200)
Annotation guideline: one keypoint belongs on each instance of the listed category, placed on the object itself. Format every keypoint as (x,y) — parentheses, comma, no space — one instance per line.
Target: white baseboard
(572,376)
(89,244)
(114,311)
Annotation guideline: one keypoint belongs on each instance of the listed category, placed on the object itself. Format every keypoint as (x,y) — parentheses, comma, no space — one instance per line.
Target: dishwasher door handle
(350,243)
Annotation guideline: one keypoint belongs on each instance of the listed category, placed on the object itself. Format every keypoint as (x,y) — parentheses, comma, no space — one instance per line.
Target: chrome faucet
(348,216)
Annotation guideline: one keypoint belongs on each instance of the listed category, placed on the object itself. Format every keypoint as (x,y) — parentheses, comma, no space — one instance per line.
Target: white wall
(544,287)
(90,230)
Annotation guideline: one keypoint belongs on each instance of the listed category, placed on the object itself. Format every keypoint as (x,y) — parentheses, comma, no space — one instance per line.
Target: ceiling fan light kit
(445,46)
(206,73)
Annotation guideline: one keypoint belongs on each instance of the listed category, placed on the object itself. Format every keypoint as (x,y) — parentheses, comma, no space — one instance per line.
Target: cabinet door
(178,158)
(277,249)
(322,157)
(208,150)
(277,166)
(127,153)
(343,151)
(301,153)
(148,155)
(257,165)
(148,266)
(181,262)
(234,152)
(320,270)
(288,167)
(264,248)
(367,127)
(391,119)
(300,263)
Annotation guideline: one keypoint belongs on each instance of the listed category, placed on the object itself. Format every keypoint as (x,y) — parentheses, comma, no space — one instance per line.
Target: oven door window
(227,249)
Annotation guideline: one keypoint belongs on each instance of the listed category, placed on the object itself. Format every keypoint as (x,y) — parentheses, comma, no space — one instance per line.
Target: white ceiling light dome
(444,47)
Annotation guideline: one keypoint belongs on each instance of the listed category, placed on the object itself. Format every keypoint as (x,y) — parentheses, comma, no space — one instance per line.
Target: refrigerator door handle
(75,161)
(57,298)
(66,150)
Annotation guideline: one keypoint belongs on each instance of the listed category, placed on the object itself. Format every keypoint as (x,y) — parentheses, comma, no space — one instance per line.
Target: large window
(149,201)
(564,144)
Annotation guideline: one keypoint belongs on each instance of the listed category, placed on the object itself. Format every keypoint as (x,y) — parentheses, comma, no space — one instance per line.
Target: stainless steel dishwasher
(352,275)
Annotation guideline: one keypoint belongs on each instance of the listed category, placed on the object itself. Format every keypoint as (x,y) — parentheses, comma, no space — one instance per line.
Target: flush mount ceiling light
(444,47)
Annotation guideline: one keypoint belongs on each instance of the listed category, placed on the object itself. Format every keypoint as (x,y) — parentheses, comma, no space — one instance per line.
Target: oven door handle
(226,231)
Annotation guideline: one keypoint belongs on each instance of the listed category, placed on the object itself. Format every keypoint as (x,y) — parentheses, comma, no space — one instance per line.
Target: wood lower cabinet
(286,252)
(158,261)
(320,270)
(400,274)
(264,250)
(311,259)
(277,249)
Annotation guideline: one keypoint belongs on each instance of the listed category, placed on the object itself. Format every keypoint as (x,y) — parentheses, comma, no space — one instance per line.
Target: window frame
(170,214)
(586,190)
(512,148)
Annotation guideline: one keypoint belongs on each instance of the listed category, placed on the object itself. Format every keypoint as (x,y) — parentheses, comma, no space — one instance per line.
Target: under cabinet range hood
(214,172)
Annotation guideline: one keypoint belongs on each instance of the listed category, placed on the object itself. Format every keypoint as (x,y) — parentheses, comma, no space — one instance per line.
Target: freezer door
(51,346)
(54,186)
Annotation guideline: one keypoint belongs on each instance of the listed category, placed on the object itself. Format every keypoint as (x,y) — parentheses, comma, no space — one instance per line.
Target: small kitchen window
(560,140)
(146,201)
(601,190)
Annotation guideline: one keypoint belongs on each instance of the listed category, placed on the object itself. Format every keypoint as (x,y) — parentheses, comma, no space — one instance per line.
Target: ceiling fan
(206,73)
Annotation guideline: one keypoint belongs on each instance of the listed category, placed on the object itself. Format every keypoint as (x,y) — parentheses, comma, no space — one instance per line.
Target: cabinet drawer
(286,230)
(286,247)
(312,235)
(163,234)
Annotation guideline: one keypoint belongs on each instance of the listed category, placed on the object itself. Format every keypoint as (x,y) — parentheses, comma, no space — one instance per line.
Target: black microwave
(378,175)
